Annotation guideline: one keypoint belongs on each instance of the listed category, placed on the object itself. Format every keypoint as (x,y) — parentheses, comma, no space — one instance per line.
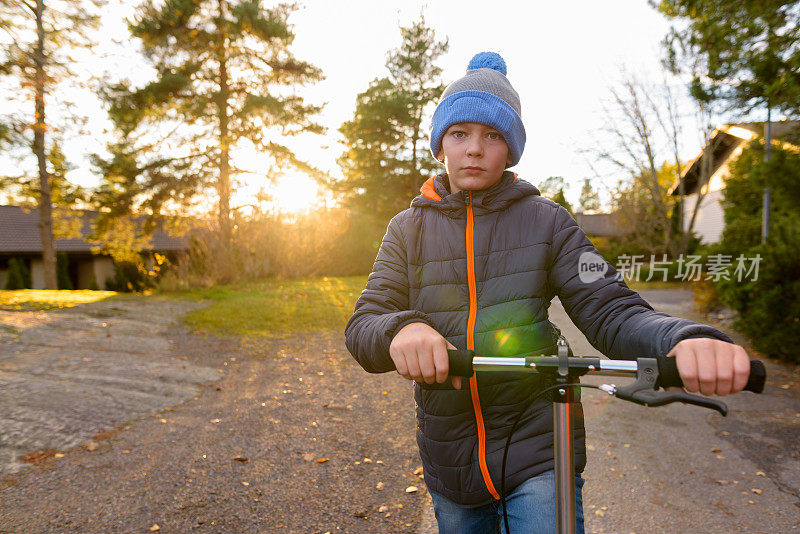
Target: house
(599,224)
(725,145)
(20,238)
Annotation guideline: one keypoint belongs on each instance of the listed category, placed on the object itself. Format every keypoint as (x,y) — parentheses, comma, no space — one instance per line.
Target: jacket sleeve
(615,320)
(383,307)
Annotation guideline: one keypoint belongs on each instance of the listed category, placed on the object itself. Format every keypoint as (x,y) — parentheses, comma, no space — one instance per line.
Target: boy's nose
(474,147)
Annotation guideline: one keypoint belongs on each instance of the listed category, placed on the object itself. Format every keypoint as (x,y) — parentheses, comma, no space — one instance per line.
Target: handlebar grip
(668,375)
(460,362)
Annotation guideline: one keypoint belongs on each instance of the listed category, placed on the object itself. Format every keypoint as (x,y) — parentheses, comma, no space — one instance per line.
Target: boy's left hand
(711,366)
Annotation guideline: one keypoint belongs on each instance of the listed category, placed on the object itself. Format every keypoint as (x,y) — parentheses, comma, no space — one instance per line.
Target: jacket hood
(435,193)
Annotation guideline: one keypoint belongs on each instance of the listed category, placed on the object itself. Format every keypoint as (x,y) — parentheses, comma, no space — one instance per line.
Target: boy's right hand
(420,353)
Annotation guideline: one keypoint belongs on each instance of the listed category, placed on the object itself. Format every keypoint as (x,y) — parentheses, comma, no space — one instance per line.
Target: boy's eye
(494,136)
(458,134)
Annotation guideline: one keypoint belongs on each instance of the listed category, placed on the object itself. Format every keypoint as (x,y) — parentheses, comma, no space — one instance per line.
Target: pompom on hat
(484,95)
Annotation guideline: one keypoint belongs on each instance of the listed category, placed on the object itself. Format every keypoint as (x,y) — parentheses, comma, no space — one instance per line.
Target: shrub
(332,242)
(62,271)
(19,277)
(128,277)
(769,306)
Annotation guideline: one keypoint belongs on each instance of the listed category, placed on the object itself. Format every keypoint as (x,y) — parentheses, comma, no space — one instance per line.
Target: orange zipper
(473,380)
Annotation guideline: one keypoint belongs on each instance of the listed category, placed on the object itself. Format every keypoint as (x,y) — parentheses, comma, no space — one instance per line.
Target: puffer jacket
(481,268)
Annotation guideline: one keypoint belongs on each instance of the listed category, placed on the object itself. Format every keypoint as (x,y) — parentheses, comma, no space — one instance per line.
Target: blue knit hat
(484,95)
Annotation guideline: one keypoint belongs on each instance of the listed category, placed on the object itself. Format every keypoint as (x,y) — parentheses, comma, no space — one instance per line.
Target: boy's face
(475,156)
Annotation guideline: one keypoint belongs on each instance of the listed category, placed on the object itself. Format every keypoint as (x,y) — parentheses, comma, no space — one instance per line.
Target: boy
(474,263)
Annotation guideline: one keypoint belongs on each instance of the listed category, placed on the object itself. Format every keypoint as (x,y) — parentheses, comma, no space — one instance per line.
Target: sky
(562,58)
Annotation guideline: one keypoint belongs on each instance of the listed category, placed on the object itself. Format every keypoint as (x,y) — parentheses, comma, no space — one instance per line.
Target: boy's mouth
(472,168)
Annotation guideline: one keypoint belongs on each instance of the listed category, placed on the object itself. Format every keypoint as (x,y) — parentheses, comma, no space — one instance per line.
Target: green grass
(42,299)
(277,308)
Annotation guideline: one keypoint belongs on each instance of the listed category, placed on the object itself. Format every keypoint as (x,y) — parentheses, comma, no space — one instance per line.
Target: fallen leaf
(126,451)
(162,421)
(751,502)
(785,386)
(418,471)
(379,485)
(716,449)
(383,509)
(590,447)
(308,457)
(92,446)
(721,481)
(388,514)
(379,462)
(720,457)
(604,507)
(215,420)
(155,528)
(239,458)
(756,491)
(245,483)
(626,445)
(384,393)
(322,460)
(760,474)
(599,513)
(412,489)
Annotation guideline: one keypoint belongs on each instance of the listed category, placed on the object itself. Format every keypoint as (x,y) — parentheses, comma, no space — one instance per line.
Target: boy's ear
(440,155)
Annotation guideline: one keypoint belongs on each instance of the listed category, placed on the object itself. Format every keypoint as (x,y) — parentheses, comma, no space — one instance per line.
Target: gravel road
(139,422)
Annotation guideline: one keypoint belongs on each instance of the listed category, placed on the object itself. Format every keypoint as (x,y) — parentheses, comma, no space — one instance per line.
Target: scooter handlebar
(668,375)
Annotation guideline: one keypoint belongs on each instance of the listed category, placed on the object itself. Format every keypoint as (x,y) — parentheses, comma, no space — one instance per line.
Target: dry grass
(42,299)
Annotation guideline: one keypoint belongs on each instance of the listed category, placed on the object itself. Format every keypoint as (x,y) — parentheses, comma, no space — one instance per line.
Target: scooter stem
(563,445)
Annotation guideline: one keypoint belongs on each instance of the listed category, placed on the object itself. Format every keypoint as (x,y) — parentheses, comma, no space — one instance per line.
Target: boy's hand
(420,353)
(711,366)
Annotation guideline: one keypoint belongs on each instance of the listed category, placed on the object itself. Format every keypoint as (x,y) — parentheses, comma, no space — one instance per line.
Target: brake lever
(643,390)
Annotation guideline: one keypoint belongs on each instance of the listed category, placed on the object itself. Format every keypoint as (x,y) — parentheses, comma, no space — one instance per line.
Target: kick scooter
(565,370)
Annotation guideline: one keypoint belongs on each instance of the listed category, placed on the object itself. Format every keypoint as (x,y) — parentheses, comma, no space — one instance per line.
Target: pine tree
(43,33)
(387,159)
(589,199)
(745,54)
(225,73)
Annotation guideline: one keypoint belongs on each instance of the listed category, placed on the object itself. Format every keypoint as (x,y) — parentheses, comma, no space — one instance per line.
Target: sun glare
(294,194)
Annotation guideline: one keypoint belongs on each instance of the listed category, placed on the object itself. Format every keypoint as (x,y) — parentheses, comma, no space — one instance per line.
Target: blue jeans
(531,508)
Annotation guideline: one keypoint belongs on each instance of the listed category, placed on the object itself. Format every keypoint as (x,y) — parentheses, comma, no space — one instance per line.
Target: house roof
(19,233)
(723,142)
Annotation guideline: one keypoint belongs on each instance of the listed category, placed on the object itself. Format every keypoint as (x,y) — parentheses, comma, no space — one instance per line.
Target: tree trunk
(224,184)
(45,200)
